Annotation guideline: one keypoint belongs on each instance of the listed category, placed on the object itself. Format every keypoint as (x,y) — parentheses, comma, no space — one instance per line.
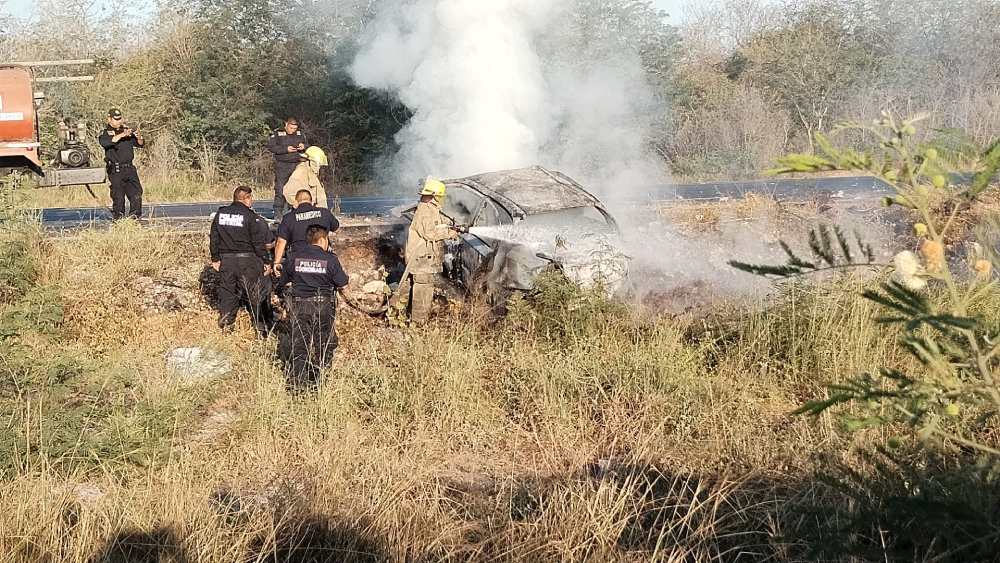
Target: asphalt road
(847,188)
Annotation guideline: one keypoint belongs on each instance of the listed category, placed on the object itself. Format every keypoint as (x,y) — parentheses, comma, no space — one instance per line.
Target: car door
(461,204)
(476,252)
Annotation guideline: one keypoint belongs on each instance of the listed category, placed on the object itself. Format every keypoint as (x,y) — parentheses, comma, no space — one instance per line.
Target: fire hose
(352,303)
(378,311)
(373,312)
(384,307)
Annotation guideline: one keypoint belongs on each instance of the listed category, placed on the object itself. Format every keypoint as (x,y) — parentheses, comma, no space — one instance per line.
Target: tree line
(742,81)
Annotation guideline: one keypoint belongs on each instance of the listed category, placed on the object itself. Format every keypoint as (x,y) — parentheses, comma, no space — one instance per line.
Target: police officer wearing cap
(287,144)
(293,227)
(119,143)
(315,275)
(238,246)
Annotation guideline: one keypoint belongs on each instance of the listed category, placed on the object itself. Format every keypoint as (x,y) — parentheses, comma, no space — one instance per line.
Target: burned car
(522,222)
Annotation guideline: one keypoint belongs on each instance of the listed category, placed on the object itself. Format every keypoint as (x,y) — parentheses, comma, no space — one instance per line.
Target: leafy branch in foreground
(826,255)
(954,389)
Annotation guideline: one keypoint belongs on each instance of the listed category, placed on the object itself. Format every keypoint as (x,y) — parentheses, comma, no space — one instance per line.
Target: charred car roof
(530,191)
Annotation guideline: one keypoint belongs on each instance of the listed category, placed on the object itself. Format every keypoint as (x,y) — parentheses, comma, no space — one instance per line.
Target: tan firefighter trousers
(419,288)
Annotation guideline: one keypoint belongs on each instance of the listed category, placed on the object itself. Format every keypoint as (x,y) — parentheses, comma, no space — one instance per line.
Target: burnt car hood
(532,190)
(521,253)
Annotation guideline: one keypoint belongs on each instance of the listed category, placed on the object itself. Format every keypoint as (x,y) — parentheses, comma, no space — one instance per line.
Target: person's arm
(258,239)
(332,221)
(284,235)
(114,139)
(105,140)
(313,181)
(139,141)
(274,144)
(285,276)
(269,239)
(213,242)
(338,277)
(279,253)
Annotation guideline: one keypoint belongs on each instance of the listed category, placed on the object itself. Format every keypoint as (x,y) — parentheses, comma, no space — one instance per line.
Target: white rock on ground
(83,493)
(376,286)
(196,365)
(166,294)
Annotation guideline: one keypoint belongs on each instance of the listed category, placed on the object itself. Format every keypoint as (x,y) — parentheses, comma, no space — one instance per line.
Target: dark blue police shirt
(294,225)
(313,272)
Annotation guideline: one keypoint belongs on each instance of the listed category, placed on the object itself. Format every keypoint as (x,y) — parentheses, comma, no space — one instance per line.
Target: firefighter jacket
(304,178)
(425,241)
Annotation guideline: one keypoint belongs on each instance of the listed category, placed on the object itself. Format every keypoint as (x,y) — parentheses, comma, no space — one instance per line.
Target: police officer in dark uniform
(238,246)
(287,144)
(293,227)
(315,274)
(119,143)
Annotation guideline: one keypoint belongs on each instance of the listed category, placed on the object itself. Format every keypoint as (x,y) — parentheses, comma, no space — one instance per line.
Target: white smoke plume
(493,85)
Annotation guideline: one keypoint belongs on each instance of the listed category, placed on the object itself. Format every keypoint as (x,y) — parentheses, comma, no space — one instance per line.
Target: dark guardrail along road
(847,188)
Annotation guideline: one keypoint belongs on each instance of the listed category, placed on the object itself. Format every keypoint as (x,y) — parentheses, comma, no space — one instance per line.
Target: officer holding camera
(287,144)
(119,143)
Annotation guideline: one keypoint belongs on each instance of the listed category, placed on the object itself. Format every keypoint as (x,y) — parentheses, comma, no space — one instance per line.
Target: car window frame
(473,213)
(501,213)
(609,220)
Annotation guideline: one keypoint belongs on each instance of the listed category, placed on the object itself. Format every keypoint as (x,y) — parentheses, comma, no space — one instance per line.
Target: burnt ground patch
(133,546)
(318,539)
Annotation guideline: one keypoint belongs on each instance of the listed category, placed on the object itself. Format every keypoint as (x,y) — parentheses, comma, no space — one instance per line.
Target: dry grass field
(574,429)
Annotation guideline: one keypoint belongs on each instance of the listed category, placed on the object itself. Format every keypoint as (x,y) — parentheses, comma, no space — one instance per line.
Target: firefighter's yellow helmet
(316,154)
(433,187)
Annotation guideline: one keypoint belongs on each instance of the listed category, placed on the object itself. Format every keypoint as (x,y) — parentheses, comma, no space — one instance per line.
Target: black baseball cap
(115,113)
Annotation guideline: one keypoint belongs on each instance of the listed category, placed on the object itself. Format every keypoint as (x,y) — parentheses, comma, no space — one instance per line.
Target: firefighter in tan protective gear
(425,251)
(306,177)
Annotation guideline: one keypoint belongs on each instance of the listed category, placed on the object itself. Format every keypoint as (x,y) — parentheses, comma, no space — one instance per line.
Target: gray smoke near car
(511,83)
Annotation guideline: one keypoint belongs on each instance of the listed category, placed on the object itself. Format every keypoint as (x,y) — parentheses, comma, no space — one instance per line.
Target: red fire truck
(20,148)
